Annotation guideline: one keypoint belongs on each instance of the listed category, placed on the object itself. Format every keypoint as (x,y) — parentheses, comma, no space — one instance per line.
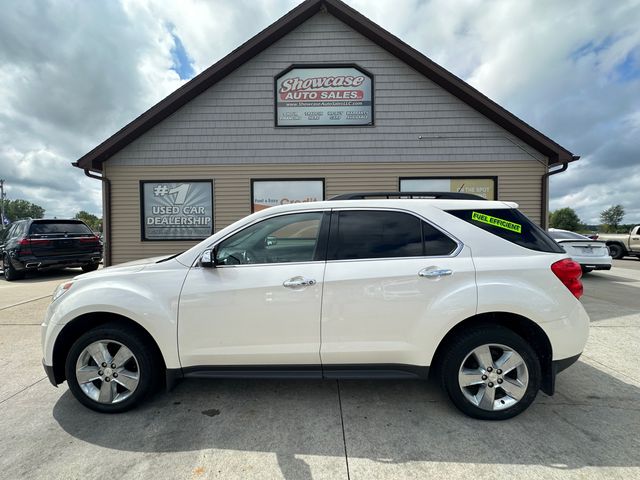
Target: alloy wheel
(493,377)
(107,371)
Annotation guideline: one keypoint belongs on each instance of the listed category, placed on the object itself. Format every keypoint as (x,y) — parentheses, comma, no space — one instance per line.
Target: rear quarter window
(512,225)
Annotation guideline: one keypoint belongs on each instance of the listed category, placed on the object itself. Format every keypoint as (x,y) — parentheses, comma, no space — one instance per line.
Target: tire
(121,388)
(586,270)
(90,267)
(474,400)
(10,273)
(616,251)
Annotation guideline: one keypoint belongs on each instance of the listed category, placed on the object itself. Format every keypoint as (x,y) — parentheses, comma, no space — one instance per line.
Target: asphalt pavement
(326,429)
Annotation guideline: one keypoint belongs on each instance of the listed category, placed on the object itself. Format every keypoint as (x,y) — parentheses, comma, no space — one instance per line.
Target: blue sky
(73,73)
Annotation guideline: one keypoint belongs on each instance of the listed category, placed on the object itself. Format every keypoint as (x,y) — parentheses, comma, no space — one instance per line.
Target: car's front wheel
(490,373)
(111,368)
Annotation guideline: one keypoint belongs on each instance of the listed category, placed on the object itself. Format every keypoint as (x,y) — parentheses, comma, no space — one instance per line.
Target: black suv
(41,244)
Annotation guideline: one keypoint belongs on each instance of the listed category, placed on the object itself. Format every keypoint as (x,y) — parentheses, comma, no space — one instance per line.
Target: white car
(590,254)
(467,289)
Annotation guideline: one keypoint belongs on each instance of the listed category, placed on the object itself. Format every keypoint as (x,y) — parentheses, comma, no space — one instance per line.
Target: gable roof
(454,85)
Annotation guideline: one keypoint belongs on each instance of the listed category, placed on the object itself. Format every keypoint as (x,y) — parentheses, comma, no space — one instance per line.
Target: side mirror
(207,260)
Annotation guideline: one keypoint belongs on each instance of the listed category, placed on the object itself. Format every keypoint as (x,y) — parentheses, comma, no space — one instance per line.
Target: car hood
(128,267)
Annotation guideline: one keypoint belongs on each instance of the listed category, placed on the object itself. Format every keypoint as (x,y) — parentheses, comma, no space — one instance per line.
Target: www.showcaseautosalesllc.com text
(189,215)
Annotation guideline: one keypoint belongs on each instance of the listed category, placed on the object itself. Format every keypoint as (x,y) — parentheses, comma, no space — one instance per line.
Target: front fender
(148,298)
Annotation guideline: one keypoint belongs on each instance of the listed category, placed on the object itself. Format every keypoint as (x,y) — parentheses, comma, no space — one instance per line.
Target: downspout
(106,214)
(545,191)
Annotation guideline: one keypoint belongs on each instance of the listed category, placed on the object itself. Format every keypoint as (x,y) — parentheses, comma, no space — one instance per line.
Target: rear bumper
(597,263)
(31,262)
(560,365)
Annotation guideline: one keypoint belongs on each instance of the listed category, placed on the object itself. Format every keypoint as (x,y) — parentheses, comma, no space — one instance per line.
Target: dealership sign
(176,210)
(324,96)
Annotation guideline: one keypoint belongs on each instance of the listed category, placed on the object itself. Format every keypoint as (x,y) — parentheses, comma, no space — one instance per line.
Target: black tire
(90,267)
(586,270)
(10,273)
(616,251)
(149,367)
(459,350)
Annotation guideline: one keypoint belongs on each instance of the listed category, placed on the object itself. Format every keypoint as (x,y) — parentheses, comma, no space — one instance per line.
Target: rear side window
(378,234)
(58,227)
(511,225)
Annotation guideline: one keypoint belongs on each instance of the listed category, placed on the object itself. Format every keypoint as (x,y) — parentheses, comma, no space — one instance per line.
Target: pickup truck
(621,245)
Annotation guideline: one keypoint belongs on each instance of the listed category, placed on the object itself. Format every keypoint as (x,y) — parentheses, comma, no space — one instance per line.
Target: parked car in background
(590,254)
(468,289)
(42,244)
(623,244)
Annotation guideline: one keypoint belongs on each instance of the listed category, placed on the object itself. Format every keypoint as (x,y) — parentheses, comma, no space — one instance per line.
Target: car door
(393,285)
(260,305)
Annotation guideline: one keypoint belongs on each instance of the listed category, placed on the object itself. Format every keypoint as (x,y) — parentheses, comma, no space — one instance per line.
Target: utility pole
(2,197)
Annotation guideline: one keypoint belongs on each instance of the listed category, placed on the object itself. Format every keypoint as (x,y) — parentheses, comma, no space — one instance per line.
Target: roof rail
(440,195)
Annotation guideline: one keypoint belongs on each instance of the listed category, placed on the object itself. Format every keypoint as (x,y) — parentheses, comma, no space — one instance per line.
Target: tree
(565,219)
(611,217)
(94,222)
(19,209)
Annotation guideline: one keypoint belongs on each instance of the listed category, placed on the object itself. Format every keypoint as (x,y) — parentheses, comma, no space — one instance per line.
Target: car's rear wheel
(111,368)
(90,267)
(10,273)
(616,251)
(490,373)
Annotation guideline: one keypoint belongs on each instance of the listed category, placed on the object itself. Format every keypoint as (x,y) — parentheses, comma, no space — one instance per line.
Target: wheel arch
(82,324)
(525,327)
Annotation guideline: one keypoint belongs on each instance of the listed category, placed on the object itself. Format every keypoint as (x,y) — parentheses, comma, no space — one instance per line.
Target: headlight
(61,290)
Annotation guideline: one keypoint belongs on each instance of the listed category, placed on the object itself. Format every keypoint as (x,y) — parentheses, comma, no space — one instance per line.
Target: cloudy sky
(74,72)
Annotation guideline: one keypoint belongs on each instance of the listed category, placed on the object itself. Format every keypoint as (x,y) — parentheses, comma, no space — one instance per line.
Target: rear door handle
(299,282)
(431,272)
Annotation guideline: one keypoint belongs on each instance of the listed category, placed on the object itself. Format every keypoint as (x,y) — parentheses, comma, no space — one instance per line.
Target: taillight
(93,239)
(24,242)
(569,273)
(40,241)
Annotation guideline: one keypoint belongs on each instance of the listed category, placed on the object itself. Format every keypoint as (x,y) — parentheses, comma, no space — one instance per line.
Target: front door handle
(299,282)
(431,272)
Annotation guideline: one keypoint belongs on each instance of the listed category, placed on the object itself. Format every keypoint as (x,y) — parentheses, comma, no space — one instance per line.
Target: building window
(485,187)
(271,192)
(176,209)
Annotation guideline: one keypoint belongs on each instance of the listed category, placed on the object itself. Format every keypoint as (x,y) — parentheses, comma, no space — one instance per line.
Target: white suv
(468,289)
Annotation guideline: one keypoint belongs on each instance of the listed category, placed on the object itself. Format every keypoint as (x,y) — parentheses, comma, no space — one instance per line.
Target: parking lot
(326,429)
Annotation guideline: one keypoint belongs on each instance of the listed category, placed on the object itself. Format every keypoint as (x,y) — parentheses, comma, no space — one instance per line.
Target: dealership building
(320,103)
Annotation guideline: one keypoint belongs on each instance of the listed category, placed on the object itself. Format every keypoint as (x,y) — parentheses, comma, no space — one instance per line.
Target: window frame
(333,235)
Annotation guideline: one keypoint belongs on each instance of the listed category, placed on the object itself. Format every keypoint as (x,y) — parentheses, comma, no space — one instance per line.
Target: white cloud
(73,73)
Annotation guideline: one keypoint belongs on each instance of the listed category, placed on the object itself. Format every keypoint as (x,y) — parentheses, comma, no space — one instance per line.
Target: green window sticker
(496,222)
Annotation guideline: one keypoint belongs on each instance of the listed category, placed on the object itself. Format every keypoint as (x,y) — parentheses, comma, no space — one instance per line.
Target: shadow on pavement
(589,422)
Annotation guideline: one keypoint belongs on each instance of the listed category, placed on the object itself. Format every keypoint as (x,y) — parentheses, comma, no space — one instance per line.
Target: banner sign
(269,193)
(483,187)
(176,210)
(324,96)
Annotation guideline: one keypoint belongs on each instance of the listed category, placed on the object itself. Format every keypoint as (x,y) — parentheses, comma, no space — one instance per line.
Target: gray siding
(233,122)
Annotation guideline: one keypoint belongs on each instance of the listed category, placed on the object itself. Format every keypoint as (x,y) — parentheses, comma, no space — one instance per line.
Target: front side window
(380,234)
(282,239)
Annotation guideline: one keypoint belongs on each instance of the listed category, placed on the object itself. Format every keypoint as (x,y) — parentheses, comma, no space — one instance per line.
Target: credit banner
(177,210)
(324,96)
(269,193)
(483,187)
